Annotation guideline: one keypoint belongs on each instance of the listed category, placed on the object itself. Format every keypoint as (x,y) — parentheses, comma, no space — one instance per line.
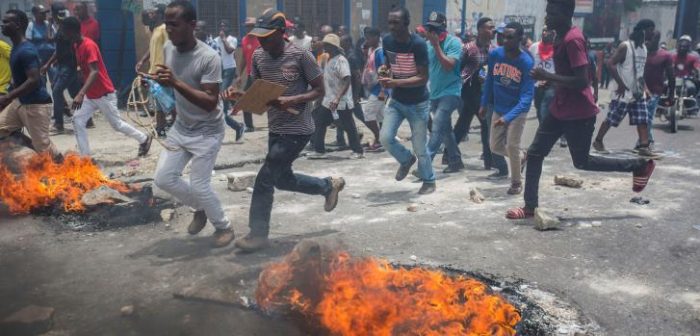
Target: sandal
(520,213)
(641,179)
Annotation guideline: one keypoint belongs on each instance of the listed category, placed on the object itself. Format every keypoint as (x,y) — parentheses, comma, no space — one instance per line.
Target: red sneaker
(640,178)
(520,213)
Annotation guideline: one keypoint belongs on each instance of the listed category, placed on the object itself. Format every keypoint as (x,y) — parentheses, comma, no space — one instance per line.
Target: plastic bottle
(164,96)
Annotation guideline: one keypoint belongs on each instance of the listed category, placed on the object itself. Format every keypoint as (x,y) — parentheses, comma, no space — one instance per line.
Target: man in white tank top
(629,90)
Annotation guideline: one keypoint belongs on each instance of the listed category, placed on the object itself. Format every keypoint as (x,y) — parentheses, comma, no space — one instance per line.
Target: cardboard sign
(258,96)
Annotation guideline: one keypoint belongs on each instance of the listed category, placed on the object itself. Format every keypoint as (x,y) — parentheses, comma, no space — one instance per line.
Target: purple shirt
(572,104)
(655,70)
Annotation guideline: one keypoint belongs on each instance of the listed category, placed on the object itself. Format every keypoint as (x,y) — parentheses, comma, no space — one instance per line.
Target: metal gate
(216,11)
(315,13)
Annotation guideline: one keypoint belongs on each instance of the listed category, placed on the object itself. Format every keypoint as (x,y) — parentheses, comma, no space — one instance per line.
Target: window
(214,12)
(315,13)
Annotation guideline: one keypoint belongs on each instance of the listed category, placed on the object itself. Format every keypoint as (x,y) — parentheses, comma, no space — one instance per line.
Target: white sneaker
(357,156)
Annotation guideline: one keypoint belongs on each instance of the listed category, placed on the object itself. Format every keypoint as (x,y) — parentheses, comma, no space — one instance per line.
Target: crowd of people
(421,77)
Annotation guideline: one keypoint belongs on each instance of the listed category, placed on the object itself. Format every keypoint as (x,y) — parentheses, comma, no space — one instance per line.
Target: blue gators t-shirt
(442,82)
(378,62)
(508,84)
(22,58)
(404,60)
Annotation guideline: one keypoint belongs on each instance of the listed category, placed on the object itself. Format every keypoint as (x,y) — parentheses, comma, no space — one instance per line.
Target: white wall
(496,10)
(663,13)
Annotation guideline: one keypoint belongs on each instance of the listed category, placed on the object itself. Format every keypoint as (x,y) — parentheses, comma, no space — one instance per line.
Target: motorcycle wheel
(673,120)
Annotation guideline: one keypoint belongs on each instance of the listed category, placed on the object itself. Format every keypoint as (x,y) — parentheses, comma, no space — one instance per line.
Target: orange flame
(368,296)
(44,182)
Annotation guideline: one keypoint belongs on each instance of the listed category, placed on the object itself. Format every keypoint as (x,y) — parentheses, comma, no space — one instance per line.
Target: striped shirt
(404,59)
(295,69)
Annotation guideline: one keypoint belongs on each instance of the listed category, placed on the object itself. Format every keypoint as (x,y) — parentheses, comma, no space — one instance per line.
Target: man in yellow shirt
(5,73)
(154,57)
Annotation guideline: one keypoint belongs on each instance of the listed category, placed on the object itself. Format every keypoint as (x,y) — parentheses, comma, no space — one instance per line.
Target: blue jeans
(64,77)
(652,103)
(227,77)
(442,129)
(497,161)
(417,116)
(277,172)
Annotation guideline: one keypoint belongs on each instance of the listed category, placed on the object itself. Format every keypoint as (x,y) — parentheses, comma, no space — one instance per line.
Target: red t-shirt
(683,65)
(655,70)
(90,28)
(249,43)
(87,53)
(572,104)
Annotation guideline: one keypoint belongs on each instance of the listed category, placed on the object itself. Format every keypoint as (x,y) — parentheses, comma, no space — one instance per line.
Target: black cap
(39,9)
(437,20)
(268,23)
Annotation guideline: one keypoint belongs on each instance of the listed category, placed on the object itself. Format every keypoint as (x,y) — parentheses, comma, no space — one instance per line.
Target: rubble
(30,320)
(167,214)
(127,310)
(413,207)
(476,196)
(568,181)
(640,200)
(544,221)
(241,181)
(103,195)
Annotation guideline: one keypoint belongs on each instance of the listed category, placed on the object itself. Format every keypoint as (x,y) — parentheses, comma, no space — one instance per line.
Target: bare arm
(33,81)
(421,78)
(317,90)
(48,63)
(616,59)
(143,60)
(344,86)
(229,48)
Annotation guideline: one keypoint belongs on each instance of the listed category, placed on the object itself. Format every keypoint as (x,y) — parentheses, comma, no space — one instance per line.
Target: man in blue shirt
(444,52)
(407,58)
(28,104)
(510,88)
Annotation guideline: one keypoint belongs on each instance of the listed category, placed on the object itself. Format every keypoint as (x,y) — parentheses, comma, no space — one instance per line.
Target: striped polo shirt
(295,69)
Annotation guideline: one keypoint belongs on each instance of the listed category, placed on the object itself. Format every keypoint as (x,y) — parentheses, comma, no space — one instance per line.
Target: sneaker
(426,188)
(599,146)
(316,156)
(356,156)
(145,146)
(375,147)
(240,131)
(251,243)
(337,184)
(640,178)
(55,129)
(223,237)
(90,123)
(497,176)
(405,168)
(454,168)
(644,151)
(198,222)
(515,189)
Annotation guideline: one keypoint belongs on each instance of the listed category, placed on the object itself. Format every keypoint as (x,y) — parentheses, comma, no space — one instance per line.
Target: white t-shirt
(547,65)
(301,43)
(336,69)
(227,60)
(626,70)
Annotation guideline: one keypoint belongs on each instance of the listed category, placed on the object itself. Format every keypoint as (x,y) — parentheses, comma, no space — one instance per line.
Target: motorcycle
(684,105)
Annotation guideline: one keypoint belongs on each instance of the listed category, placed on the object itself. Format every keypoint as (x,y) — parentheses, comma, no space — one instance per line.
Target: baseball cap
(501,28)
(437,20)
(268,23)
(39,9)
